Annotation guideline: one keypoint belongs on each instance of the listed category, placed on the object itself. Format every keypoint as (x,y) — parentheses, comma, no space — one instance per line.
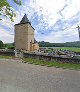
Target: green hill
(67,44)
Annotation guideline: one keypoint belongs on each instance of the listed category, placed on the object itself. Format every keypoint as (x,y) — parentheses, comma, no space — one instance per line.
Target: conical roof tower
(24,20)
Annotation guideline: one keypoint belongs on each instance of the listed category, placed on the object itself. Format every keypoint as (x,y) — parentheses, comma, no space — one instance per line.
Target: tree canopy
(67,44)
(6,10)
(1,44)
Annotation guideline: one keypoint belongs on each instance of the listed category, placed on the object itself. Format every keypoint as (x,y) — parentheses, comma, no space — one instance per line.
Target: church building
(24,36)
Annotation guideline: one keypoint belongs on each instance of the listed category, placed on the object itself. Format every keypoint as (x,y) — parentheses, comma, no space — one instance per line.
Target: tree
(1,44)
(17,2)
(6,10)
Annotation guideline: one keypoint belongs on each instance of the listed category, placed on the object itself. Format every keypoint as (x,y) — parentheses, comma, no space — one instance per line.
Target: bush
(12,47)
(1,44)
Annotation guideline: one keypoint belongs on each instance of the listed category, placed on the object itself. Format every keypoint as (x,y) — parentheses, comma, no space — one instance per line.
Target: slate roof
(24,20)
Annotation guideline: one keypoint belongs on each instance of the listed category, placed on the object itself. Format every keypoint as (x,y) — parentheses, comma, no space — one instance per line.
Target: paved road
(20,77)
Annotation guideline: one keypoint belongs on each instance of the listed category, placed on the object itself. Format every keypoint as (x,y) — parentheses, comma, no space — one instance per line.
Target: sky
(54,21)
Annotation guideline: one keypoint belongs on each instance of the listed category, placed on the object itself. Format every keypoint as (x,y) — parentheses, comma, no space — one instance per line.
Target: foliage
(67,44)
(17,2)
(6,57)
(6,10)
(9,46)
(1,44)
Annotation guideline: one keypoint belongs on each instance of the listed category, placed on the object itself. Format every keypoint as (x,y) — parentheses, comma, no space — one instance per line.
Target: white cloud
(72,9)
(52,11)
(48,8)
(5,36)
(7,28)
(60,36)
(18,17)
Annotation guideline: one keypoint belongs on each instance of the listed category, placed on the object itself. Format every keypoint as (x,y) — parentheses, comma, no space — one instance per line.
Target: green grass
(75,49)
(51,63)
(6,57)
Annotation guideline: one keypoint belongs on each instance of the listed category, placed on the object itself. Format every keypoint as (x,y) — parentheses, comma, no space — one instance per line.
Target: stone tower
(24,35)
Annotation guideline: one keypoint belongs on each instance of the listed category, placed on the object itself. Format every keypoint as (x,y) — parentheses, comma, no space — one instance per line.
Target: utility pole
(79,31)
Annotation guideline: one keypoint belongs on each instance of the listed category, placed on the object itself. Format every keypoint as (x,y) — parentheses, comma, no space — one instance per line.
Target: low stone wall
(43,57)
(78,53)
(52,58)
(7,53)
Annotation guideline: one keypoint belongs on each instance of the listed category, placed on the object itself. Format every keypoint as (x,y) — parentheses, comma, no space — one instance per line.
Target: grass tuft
(51,63)
(6,57)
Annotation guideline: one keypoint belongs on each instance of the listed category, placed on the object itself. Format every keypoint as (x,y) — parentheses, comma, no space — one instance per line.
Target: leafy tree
(6,10)
(1,44)
(17,2)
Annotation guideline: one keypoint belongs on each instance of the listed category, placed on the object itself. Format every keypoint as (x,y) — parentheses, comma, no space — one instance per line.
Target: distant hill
(48,44)
(67,44)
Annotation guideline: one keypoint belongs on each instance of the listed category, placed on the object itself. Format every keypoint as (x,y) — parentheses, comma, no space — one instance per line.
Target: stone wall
(44,57)
(24,34)
(21,32)
(52,58)
(7,53)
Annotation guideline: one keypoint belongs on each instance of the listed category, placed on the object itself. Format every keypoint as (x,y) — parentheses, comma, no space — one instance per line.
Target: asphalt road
(16,76)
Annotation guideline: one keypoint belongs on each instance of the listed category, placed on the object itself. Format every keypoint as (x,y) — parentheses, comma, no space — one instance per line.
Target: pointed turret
(35,41)
(24,20)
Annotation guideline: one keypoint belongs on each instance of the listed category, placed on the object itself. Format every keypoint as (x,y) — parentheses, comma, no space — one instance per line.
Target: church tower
(24,35)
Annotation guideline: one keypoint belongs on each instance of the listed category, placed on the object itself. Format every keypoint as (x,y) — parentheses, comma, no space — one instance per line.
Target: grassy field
(51,63)
(75,49)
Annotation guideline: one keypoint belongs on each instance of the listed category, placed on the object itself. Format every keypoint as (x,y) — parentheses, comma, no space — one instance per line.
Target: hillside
(67,44)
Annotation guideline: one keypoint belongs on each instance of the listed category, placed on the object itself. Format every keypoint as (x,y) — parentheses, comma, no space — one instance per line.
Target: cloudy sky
(54,20)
